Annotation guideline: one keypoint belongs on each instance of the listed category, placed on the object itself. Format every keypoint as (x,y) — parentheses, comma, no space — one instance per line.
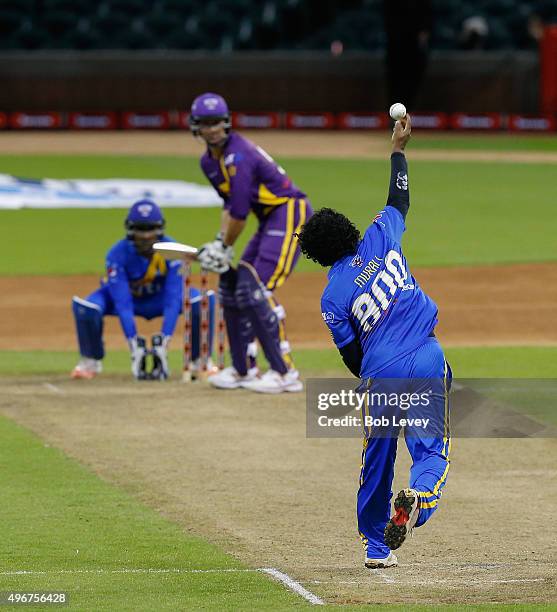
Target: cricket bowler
(249,180)
(383,325)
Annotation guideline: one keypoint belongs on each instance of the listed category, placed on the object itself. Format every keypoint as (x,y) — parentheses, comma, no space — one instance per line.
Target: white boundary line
(288,582)
(293,585)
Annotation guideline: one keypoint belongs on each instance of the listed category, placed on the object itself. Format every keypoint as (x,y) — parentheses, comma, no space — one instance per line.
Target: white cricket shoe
(230,379)
(389,561)
(274,382)
(407,509)
(87,368)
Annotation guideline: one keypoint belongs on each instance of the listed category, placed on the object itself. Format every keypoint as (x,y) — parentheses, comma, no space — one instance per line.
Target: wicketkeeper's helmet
(209,106)
(144,216)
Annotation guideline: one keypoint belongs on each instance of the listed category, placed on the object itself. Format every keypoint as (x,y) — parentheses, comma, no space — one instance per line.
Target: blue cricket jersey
(372,296)
(132,278)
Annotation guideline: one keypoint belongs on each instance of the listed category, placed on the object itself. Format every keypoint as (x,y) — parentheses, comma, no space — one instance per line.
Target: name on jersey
(370,269)
(369,306)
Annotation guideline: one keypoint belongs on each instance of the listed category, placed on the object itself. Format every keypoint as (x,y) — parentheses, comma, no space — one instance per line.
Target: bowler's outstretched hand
(401,134)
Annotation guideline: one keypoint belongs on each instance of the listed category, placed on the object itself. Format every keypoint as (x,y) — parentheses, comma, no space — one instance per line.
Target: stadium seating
(228,25)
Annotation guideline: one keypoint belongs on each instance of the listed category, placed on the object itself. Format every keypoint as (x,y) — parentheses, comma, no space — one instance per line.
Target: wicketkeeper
(138,282)
(248,179)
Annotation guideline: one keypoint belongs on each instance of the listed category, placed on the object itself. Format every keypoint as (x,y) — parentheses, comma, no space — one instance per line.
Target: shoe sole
(379,565)
(224,386)
(292,388)
(82,375)
(396,531)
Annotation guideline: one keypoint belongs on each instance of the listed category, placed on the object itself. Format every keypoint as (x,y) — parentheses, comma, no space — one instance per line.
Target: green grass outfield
(544,143)
(466,362)
(463,213)
(86,535)
(61,519)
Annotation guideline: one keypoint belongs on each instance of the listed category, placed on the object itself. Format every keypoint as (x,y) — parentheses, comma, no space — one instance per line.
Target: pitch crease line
(53,388)
(291,584)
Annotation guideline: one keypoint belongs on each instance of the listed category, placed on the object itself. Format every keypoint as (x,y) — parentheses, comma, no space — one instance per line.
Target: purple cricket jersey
(248,178)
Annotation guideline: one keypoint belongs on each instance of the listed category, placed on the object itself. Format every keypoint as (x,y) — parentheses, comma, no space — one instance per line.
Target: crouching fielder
(382,323)
(248,179)
(138,282)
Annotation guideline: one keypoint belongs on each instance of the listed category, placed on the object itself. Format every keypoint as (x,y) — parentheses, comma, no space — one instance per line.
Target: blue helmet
(209,106)
(144,216)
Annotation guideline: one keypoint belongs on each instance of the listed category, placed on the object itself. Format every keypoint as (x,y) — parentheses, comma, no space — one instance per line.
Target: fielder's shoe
(230,379)
(389,561)
(87,368)
(407,509)
(274,382)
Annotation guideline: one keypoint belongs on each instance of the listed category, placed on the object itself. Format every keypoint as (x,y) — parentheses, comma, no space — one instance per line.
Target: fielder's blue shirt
(372,296)
(130,278)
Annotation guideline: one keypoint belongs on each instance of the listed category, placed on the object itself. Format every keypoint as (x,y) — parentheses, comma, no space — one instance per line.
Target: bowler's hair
(328,236)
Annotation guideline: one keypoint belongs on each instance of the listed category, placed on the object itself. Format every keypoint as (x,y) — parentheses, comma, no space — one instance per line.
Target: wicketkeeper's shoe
(274,382)
(389,561)
(407,509)
(230,379)
(87,368)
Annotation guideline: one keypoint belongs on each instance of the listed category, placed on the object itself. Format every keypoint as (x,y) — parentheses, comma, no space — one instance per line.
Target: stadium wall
(505,82)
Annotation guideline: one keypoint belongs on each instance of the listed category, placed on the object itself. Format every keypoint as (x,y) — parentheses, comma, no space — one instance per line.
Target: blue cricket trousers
(425,371)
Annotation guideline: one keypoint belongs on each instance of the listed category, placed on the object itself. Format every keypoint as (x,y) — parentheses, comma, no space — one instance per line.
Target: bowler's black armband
(399,195)
(352,356)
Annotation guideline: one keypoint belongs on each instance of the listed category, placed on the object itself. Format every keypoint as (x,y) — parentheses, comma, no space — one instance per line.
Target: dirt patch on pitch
(481,305)
(237,469)
(362,145)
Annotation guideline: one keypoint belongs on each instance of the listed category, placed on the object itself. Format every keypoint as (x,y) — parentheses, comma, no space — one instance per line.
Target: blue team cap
(144,214)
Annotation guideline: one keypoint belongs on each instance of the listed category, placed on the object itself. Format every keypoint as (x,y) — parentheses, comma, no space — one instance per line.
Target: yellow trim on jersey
(224,187)
(293,245)
(157,264)
(285,244)
(268,198)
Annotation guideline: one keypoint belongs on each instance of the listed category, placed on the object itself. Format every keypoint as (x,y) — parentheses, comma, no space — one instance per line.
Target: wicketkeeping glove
(215,256)
(160,370)
(138,350)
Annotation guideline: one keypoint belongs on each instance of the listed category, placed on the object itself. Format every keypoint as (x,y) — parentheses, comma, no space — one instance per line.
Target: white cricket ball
(397,111)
